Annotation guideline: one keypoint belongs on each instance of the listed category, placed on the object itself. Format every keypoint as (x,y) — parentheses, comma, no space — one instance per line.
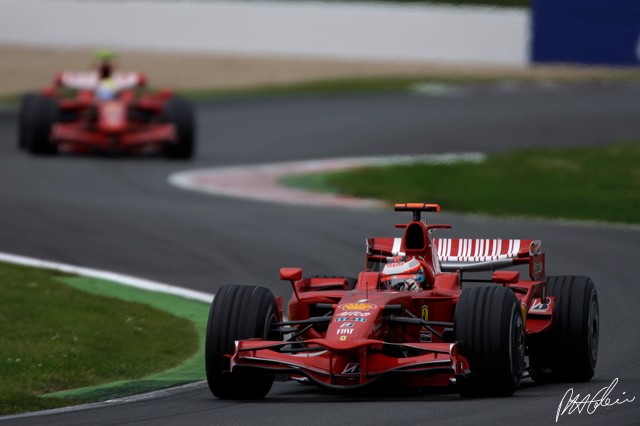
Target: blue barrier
(594,32)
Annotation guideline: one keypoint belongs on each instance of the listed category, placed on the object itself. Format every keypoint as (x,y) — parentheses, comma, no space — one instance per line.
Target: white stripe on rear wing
(476,250)
(476,254)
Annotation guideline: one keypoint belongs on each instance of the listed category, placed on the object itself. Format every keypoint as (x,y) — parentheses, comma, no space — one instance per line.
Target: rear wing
(455,254)
(89,80)
(487,254)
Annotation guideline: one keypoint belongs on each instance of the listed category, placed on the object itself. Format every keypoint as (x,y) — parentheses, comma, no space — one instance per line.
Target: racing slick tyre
(238,312)
(569,350)
(489,329)
(41,113)
(23,128)
(180,112)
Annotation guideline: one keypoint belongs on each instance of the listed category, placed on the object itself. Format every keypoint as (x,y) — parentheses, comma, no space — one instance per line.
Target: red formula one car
(411,318)
(107,112)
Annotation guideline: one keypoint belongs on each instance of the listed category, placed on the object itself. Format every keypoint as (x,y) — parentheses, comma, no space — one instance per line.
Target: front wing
(77,135)
(343,365)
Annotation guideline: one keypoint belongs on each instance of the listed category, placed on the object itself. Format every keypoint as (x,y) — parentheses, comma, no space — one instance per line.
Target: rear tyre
(569,350)
(180,112)
(490,333)
(237,313)
(41,114)
(23,112)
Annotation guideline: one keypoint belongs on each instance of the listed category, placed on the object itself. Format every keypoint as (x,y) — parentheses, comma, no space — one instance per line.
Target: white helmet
(403,274)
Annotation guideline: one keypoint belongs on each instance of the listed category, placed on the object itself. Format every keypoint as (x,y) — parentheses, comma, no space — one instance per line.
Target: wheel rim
(270,333)
(517,346)
(594,328)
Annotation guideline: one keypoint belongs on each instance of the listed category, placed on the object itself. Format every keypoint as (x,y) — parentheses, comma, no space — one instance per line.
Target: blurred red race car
(412,318)
(105,111)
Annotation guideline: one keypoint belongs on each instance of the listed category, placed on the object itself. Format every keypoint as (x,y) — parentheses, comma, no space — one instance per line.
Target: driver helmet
(105,71)
(403,274)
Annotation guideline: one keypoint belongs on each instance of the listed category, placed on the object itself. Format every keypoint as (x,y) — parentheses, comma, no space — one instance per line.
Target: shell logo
(357,306)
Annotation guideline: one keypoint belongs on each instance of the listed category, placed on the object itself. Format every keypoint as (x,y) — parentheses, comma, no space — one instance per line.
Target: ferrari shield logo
(424,314)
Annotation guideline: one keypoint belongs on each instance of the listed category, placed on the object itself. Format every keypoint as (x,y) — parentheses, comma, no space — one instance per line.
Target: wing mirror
(290,274)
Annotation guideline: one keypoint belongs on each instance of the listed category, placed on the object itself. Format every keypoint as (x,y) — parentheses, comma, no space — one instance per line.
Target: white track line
(260,182)
(109,276)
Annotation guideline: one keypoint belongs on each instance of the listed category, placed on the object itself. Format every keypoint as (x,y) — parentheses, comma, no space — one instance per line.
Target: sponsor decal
(354,314)
(425,335)
(348,324)
(345,319)
(343,338)
(538,268)
(424,314)
(351,368)
(539,306)
(344,331)
(113,113)
(357,306)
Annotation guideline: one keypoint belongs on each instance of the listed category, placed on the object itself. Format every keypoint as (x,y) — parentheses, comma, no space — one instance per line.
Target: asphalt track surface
(120,214)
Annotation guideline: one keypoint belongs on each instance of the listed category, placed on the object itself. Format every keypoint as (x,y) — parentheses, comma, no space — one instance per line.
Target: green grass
(188,371)
(397,84)
(600,183)
(10,99)
(337,86)
(54,337)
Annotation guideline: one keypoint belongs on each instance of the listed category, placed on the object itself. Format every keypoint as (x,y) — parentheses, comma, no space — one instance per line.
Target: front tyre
(490,333)
(41,113)
(237,313)
(23,116)
(179,112)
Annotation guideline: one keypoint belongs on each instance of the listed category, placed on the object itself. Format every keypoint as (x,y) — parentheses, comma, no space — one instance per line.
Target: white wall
(355,31)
